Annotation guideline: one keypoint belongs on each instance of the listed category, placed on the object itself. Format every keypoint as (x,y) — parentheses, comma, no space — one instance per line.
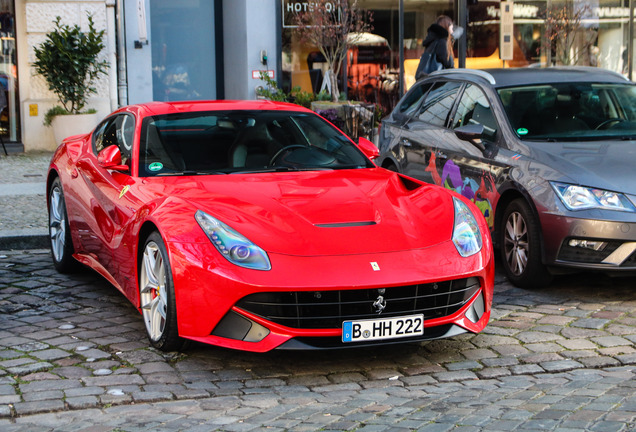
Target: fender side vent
(408,183)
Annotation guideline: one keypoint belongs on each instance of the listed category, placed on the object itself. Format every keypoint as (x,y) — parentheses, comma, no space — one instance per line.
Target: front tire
(520,240)
(391,167)
(59,231)
(156,293)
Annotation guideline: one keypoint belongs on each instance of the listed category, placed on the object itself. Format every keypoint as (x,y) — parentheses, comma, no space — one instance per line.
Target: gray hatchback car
(548,155)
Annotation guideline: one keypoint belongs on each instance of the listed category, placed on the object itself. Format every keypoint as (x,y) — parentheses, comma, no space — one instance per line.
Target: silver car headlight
(232,245)
(466,234)
(576,197)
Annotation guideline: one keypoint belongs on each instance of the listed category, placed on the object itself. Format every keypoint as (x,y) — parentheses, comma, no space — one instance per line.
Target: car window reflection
(474,108)
(438,103)
(229,142)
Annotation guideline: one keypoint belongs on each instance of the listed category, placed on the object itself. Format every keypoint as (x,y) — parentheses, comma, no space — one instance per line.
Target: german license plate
(382,328)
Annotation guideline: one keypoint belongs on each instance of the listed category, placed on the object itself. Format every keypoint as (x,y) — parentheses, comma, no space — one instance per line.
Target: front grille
(328,309)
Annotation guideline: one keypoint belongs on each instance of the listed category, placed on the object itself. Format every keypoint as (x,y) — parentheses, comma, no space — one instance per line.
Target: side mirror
(472,133)
(368,148)
(110,158)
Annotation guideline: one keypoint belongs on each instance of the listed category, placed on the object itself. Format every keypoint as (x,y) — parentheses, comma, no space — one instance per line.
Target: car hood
(603,164)
(323,213)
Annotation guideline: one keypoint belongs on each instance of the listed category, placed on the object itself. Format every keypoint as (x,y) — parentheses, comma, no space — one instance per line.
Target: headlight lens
(466,234)
(582,198)
(232,245)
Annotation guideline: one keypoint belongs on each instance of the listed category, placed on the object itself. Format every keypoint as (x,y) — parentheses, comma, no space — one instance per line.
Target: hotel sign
(291,8)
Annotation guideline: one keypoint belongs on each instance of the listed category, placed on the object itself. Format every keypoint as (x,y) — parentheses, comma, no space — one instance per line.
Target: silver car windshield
(571,111)
(228,142)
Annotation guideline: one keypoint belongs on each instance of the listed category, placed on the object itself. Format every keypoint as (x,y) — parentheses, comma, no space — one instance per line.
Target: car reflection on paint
(547,155)
(259,225)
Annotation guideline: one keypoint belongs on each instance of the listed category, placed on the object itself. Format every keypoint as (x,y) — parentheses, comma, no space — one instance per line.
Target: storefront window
(610,19)
(482,34)
(9,114)
(586,33)
(373,64)
(598,35)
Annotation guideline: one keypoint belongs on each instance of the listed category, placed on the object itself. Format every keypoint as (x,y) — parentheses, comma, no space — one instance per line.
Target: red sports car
(259,225)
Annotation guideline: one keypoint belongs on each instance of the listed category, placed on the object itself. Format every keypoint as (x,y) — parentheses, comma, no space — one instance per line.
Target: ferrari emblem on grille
(375,266)
(379,304)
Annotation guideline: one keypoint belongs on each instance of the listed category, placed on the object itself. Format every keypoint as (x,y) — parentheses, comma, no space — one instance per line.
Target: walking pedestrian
(438,53)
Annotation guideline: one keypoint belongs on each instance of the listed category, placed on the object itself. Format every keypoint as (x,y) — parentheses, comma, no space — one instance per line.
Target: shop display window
(598,36)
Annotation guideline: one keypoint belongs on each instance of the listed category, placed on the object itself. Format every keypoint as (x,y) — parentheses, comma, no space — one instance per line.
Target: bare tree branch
(333,26)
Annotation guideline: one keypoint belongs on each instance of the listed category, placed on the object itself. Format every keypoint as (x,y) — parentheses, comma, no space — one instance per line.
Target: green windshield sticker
(155,166)
(522,131)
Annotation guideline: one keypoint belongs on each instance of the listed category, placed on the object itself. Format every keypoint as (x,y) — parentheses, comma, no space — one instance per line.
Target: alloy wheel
(153,291)
(516,243)
(57,223)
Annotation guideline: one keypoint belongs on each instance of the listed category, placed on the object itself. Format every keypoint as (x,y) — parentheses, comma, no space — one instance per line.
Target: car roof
(509,77)
(159,108)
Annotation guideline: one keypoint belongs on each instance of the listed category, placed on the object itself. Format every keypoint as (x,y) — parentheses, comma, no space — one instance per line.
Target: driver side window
(119,131)
(474,108)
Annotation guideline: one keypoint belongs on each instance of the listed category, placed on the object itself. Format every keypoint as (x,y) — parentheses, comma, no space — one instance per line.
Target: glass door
(170,50)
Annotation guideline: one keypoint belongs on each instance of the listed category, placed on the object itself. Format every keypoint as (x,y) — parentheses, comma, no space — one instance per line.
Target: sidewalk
(23,215)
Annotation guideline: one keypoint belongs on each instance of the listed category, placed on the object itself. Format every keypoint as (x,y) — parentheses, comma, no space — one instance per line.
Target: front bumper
(589,243)
(208,292)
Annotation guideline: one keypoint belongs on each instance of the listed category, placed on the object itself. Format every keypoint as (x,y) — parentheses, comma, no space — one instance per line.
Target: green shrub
(67,60)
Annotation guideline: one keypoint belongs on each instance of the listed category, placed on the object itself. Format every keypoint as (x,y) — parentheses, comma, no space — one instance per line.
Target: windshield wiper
(351,166)
(190,173)
(281,169)
(540,139)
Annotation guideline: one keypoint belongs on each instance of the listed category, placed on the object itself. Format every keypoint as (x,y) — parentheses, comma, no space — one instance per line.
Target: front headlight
(232,245)
(466,235)
(583,198)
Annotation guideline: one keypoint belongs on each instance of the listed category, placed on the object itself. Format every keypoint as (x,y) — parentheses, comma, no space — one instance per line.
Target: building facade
(157,50)
(215,49)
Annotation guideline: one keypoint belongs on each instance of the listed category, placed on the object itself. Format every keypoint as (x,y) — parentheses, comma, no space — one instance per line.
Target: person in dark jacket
(440,35)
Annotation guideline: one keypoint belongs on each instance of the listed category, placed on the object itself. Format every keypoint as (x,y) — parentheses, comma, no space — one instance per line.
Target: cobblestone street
(74,355)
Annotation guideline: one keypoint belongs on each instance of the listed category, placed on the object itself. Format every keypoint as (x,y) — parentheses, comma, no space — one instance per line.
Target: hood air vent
(345,224)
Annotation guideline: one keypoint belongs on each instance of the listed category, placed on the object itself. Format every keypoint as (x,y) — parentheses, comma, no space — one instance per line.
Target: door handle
(406,142)
(74,173)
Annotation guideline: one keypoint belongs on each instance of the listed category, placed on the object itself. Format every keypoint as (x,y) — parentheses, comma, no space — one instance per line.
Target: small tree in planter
(68,61)
(566,35)
(333,26)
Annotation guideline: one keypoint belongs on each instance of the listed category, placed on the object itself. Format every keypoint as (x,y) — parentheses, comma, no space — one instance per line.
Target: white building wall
(249,26)
(35,18)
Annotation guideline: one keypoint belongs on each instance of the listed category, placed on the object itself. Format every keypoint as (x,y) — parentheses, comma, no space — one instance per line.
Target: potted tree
(68,61)
(333,28)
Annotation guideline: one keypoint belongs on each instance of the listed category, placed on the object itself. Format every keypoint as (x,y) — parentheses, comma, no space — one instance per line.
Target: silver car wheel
(153,291)
(516,243)
(57,223)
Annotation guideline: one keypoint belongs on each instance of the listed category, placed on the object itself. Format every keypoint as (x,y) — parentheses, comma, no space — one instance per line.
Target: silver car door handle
(406,142)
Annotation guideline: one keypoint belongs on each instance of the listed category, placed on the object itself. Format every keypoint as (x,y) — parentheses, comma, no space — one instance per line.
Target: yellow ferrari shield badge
(123,191)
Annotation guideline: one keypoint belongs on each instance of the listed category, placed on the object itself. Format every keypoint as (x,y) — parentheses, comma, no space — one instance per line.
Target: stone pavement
(74,356)
(23,216)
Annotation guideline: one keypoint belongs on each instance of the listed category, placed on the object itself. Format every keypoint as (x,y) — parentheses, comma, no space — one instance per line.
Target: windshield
(571,111)
(226,142)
